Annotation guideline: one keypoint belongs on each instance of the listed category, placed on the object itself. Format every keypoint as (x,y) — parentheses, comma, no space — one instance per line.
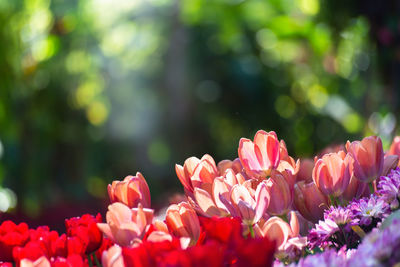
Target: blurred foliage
(94,90)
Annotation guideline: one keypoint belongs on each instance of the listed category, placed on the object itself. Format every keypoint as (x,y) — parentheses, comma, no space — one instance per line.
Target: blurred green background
(94,90)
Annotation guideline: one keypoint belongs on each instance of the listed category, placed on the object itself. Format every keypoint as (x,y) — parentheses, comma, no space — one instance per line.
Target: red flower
(221,229)
(221,244)
(32,251)
(70,261)
(149,253)
(254,252)
(85,228)
(11,235)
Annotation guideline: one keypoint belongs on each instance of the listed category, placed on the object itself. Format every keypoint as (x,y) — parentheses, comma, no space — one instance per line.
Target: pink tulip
(40,262)
(280,194)
(242,204)
(285,235)
(126,226)
(310,201)
(226,164)
(159,236)
(131,191)
(196,172)
(355,189)
(182,220)
(305,172)
(206,199)
(258,158)
(286,162)
(395,147)
(331,173)
(113,257)
(390,162)
(368,158)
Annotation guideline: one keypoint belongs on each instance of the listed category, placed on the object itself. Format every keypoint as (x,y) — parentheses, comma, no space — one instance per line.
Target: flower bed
(262,209)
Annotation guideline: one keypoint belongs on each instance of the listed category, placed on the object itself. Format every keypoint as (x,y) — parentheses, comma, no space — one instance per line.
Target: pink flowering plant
(262,208)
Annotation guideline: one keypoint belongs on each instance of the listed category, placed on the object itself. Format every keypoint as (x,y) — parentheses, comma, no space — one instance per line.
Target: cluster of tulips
(263,208)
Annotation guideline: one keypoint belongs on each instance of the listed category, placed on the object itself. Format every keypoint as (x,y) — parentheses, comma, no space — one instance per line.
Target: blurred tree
(94,90)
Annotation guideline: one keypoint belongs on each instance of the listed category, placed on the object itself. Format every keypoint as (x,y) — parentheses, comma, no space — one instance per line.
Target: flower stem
(357,229)
(284,217)
(371,187)
(333,200)
(251,231)
(90,260)
(96,260)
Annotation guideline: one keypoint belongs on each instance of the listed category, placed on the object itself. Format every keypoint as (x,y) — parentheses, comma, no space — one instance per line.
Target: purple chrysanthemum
(369,209)
(389,188)
(329,257)
(335,230)
(340,215)
(379,248)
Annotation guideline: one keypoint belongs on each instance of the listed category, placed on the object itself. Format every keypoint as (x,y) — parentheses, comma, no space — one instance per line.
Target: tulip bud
(395,147)
(124,225)
(310,201)
(355,189)
(182,220)
(243,203)
(368,158)
(196,171)
(131,191)
(305,172)
(389,163)
(226,164)
(258,158)
(287,162)
(280,194)
(331,173)
(113,257)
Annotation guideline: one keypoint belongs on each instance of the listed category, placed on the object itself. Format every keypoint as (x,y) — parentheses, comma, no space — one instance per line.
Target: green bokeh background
(94,90)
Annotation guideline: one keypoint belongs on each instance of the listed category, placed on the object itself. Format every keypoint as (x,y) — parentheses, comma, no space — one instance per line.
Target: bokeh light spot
(8,199)
(309,7)
(266,38)
(318,96)
(97,113)
(352,122)
(77,61)
(45,48)
(285,106)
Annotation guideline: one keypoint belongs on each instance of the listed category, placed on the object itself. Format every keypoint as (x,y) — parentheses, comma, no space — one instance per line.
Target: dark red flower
(222,244)
(45,238)
(12,235)
(211,255)
(32,251)
(220,229)
(85,228)
(149,253)
(70,261)
(254,252)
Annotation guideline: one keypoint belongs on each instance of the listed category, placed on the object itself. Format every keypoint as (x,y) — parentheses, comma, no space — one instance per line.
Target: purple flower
(340,215)
(369,209)
(335,230)
(389,188)
(328,258)
(379,248)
